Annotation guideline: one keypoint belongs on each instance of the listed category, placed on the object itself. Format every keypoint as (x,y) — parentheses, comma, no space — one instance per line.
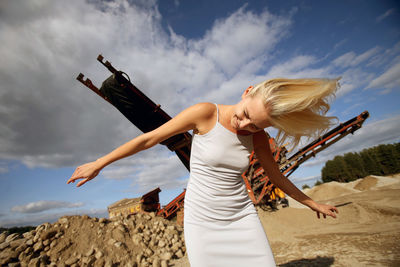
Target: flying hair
(298,107)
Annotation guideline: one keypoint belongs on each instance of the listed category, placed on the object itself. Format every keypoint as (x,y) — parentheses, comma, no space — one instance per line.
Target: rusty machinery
(147,116)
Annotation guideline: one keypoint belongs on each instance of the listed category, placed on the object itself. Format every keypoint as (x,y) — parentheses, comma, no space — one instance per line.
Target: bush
(378,160)
(305,186)
(318,182)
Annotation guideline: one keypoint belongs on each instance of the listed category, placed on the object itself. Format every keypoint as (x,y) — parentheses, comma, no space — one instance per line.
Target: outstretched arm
(189,119)
(264,155)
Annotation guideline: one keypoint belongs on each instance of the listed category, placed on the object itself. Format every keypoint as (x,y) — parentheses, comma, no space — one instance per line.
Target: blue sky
(179,53)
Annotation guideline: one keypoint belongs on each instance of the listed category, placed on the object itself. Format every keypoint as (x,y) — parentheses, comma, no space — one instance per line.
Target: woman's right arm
(187,120)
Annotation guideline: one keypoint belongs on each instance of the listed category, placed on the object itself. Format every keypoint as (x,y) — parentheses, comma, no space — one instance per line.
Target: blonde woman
(221,225)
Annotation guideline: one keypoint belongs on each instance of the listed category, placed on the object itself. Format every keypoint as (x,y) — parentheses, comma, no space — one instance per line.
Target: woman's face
(250,114)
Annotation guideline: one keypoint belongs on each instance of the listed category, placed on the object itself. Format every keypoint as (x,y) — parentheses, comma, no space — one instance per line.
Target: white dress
(221,225)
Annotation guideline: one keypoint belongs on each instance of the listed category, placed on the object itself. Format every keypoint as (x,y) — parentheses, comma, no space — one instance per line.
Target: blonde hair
(297,107)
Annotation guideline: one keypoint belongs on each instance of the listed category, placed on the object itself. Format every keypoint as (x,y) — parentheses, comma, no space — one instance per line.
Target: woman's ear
(247,91)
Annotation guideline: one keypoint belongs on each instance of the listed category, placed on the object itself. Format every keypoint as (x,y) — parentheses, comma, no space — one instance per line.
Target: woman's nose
(244,123)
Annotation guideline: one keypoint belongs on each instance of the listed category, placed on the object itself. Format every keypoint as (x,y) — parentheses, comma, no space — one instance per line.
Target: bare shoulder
(205,115)
(204,110)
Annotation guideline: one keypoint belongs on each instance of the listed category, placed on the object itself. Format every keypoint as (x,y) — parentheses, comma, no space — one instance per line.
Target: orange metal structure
(258,185)
(171,208)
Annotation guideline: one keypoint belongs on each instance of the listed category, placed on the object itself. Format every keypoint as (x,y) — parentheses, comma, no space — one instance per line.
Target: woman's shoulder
(205,109)
(205,116)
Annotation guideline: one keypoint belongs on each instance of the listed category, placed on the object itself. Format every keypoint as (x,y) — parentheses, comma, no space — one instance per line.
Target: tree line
(377,160)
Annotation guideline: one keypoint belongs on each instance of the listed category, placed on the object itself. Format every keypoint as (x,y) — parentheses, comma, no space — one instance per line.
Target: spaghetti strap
(217,112)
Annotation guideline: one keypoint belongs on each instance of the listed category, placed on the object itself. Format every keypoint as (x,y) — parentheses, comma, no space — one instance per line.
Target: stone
(28,235)
(156,262)
(59,234)
(4,245)
(7,256)
(29,242)
(48,234)
(179,254)
(21,248)
(28,250)
(38,246)
(118,234)
(63,220)
(88,260)
(3,237)
(164,263)
(118,244)
(111,242)
(53,244)
(90,252)
(148,252)
(166,256)
(71,261)
(139,257)
(44,258)
(99,254)
(12,237)
(34,262)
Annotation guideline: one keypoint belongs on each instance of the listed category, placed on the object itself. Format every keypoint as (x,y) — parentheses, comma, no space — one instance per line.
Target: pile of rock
(138,240)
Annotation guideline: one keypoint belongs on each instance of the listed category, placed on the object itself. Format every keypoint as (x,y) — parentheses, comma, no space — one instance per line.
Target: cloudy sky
(179,53)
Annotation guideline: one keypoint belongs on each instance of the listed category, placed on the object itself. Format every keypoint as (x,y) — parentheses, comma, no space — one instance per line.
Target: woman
(220,223)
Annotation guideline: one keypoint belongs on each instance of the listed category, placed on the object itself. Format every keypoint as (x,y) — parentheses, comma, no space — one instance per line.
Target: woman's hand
(326,210)
(86,172)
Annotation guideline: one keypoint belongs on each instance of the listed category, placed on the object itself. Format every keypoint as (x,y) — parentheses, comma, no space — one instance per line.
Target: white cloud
(385,15)
(292,67)
(353,78)
(3,169)
(240,38)
(389,79)
(39,206)
(298,180)
(48,119)
(351,59)
(356,75)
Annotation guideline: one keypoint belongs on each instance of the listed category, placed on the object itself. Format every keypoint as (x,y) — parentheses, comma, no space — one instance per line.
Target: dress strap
(217,112)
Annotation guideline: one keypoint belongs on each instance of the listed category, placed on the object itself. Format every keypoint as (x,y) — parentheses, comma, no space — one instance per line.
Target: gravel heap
(137,240)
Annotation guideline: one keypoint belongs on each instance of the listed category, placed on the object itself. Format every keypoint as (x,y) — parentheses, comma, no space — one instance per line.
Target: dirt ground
(366,232)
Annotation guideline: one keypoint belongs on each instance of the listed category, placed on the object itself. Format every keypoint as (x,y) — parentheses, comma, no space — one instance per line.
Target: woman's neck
(226,113)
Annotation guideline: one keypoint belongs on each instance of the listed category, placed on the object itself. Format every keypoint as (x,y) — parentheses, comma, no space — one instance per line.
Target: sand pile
(366,183)
(329,190)
(139,240)
(366,232)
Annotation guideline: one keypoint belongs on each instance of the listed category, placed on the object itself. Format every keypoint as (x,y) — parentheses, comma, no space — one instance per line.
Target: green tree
(385,156)
(354,165)
(336,170)
(370,165)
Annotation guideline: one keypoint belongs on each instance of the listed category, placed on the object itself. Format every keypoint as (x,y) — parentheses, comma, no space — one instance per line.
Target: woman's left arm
(264,156)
